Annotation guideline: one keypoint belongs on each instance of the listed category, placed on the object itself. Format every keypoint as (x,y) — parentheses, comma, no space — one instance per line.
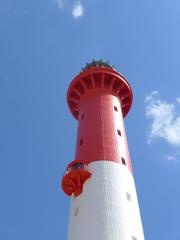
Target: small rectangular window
(123,161)
(134,238)
(119,132)
(76,210)
(115,108)
(81,142)
(128,195)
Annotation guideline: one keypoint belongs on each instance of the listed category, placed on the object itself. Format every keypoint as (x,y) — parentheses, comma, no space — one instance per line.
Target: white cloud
(60,4)
(77,10)
(171,158)
(178,100)
(164,120)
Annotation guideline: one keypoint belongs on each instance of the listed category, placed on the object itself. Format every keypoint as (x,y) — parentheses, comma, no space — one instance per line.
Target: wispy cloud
(164,120)
(178,100)
(77,10)
(171,158)
(60,4)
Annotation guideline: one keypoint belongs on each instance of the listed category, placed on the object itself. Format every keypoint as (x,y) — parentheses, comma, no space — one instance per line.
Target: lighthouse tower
(100,181)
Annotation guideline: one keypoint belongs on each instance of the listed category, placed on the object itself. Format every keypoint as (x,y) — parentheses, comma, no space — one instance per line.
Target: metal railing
(76,166)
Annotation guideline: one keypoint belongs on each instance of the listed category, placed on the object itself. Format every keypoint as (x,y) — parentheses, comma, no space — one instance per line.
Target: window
(119,132)
(82,117)
(80,142)
(115,108)
(134,238)
(76,210)
(123,161)
(128,195)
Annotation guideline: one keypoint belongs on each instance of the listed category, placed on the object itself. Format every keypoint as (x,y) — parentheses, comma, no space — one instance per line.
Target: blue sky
(43,45)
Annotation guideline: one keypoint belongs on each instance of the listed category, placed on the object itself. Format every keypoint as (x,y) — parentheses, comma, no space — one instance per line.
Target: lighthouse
(100,180)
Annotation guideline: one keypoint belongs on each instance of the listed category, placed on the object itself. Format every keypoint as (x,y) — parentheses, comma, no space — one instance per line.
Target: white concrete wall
(102,211)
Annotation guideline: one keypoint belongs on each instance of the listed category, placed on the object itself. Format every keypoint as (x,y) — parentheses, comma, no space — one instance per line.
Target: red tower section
(99,98)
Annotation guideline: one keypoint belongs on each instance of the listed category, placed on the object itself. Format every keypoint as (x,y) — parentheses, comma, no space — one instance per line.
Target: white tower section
(108,208)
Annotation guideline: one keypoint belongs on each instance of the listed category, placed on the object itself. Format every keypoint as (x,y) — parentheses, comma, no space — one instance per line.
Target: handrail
(77,166)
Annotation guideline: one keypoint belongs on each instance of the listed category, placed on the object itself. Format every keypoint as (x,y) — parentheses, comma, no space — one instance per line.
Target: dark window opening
(81,142)
(123,161)
(115,108)
(134,238)
(128,195)
(76,210)
(119,132)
